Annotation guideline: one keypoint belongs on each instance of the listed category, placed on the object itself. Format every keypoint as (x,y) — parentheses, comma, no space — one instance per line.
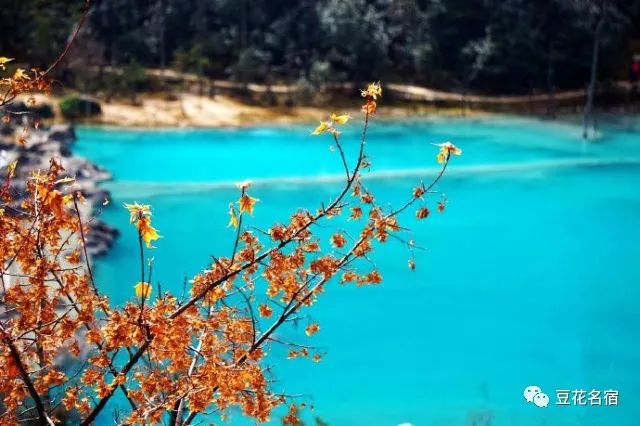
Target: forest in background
(485,46)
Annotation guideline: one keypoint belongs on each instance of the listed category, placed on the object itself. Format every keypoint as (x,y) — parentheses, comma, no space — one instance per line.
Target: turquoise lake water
(530,277)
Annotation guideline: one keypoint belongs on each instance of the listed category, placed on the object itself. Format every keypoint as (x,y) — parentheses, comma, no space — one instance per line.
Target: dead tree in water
(588,109)
(605,18)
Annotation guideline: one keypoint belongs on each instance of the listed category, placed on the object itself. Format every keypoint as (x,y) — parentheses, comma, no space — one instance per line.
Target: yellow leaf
(11,170)
(20,74)
(143,290)
(147,232)
(446,150)
(340,119)
(323,127)
(233,218)
(246,203)
(4,60)
(372,91)
(137,210)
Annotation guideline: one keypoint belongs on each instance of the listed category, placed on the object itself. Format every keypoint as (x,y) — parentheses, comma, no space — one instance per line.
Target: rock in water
(56,142)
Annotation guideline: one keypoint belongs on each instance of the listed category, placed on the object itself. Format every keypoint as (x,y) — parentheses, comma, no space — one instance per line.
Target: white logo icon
(530,392)
(534,394)
(541,400)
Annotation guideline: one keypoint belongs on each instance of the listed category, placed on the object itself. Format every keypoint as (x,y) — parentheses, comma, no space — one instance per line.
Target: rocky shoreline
(56,141)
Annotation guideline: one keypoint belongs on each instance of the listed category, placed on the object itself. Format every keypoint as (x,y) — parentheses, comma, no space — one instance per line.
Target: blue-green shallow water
(530,277)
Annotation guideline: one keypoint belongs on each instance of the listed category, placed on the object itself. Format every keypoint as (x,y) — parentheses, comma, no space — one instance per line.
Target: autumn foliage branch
(65,349)
(202,355)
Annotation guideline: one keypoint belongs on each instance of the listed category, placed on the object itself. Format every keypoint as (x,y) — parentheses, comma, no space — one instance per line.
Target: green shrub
(75,106)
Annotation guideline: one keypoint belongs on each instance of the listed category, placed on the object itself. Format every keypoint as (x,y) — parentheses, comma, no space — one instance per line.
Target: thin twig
(84,246)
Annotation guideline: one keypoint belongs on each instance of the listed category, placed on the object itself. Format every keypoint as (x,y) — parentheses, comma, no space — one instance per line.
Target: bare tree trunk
(588,110)
(551,90)
(201,29)
(162,35)
(243,25)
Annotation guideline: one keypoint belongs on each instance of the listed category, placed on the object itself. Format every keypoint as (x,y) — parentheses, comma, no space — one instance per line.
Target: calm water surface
(530,277)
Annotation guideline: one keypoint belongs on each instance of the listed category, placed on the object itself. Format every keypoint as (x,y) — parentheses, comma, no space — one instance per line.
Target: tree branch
(24,375)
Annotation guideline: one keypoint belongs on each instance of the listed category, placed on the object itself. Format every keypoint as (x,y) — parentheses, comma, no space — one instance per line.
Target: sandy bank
(188,110)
